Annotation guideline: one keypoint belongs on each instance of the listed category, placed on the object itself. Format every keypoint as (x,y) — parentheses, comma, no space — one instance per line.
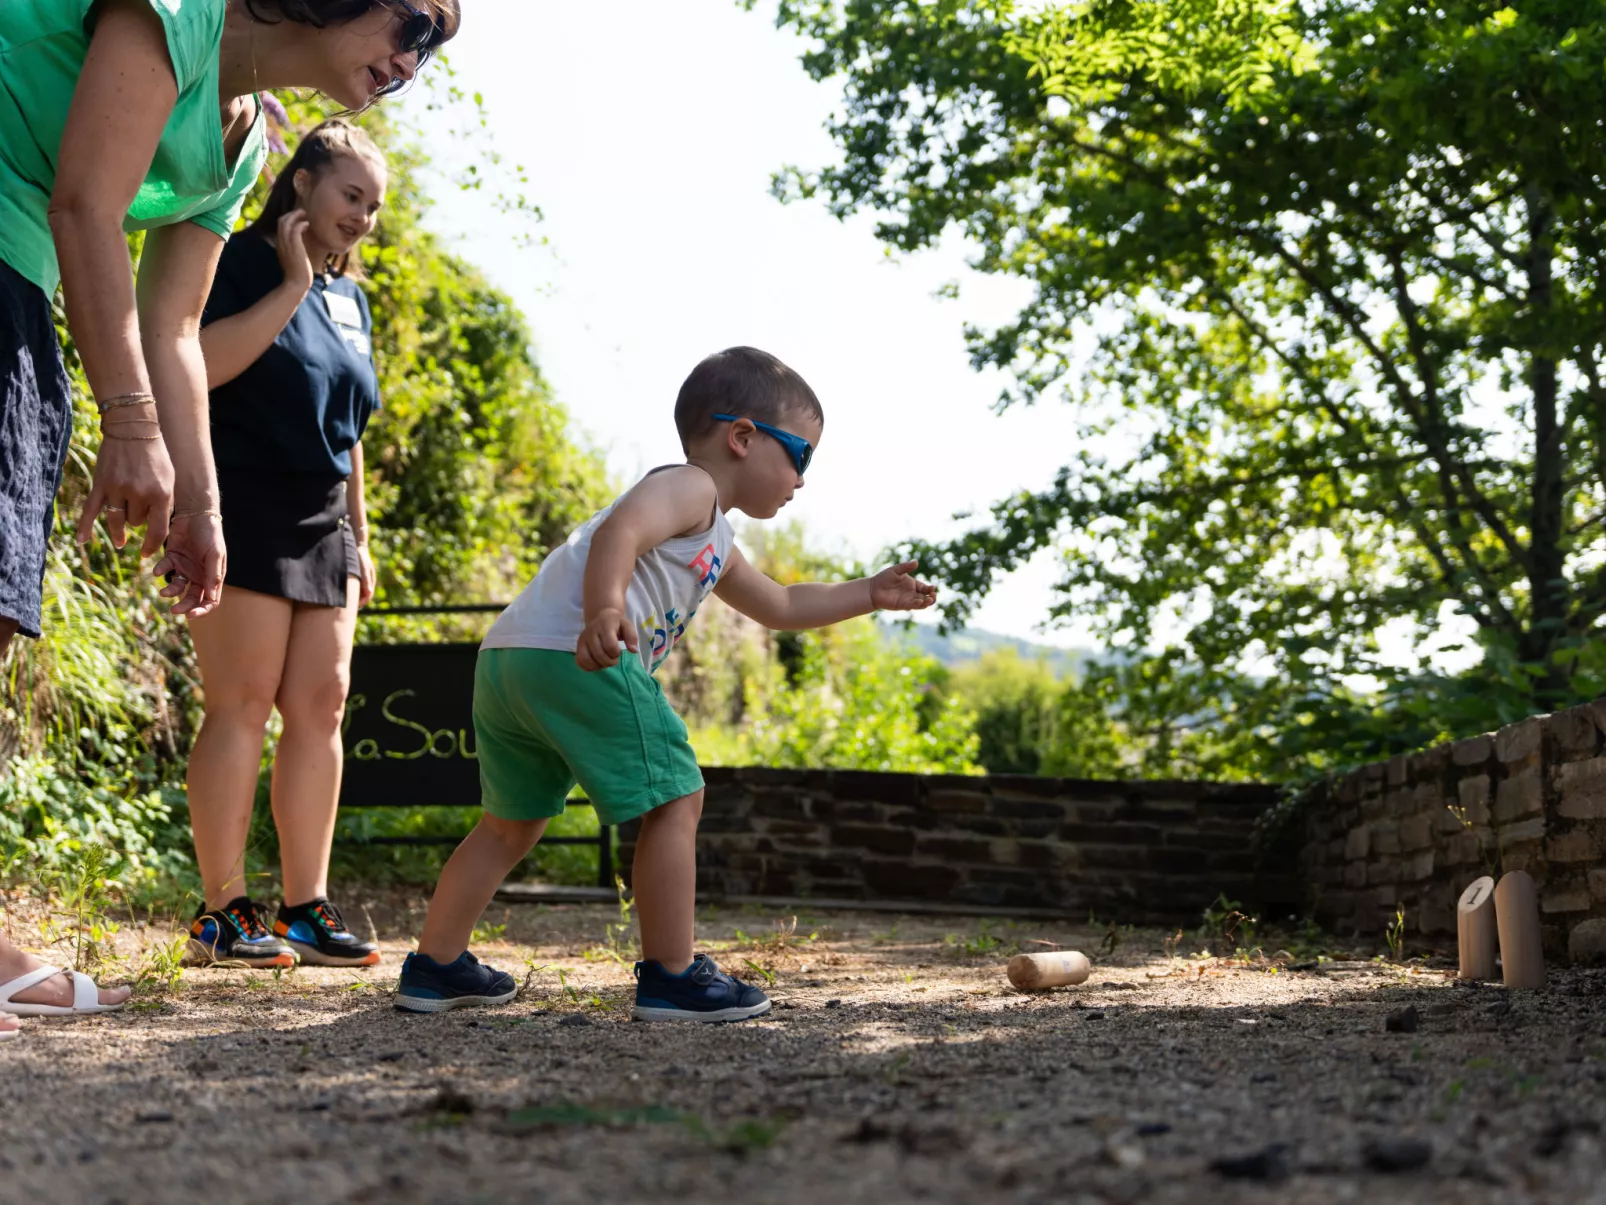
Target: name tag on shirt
(343,310)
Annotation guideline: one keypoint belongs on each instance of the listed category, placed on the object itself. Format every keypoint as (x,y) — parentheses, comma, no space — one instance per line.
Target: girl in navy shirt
(289,361)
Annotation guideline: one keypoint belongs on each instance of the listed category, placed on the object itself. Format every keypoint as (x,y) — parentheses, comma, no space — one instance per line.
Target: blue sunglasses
(799,449)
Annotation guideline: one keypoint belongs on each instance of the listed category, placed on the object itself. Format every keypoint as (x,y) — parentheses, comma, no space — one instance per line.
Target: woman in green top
(120,115)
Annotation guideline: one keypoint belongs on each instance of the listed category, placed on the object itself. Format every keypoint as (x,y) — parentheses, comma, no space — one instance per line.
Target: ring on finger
(115,510)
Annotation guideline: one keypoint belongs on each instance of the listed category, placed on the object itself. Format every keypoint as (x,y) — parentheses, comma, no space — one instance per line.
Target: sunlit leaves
(1324,282)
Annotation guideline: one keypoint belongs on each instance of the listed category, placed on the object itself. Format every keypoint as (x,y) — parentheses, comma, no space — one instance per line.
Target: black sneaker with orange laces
(235,933)
(318,934)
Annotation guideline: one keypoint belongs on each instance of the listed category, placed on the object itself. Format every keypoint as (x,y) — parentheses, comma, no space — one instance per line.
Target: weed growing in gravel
(530,972)
(983,942)
(83,892)
(769,951)
(162,967)
(1226,923)
(619,945)
(744,1136)
(484,934)
(1395,934)
(1451,1095)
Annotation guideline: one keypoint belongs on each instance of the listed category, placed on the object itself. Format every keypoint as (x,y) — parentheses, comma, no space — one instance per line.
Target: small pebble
(833,1004)
(575,1019)
(1397,1154)
(1096,1014)
(1124,1154)
(154,1117)
(1153,1129)
(1269,1163)
(1404,1021)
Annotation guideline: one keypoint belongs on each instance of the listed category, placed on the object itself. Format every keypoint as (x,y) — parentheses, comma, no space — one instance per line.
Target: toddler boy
(564,692)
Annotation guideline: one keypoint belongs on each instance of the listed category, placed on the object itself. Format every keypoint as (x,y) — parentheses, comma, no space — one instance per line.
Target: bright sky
(650,131)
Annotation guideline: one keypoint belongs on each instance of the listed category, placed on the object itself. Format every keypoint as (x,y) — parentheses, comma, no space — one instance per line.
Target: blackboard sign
(409,729)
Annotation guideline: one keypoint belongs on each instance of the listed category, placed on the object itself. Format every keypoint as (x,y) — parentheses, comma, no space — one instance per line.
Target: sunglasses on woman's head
(799,449)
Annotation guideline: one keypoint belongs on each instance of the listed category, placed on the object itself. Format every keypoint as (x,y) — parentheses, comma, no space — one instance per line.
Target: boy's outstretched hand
(598,647)
(894,590)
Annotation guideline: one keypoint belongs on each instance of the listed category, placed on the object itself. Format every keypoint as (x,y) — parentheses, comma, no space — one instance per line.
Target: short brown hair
(745,382)
(319,148)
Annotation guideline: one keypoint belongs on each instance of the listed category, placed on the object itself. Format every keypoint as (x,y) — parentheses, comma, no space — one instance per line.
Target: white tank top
(668,585)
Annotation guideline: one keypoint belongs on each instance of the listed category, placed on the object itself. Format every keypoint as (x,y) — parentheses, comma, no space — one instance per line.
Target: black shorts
(35,428)
(288,535)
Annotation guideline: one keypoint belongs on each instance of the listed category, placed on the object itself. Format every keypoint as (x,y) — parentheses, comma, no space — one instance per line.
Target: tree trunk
(1546,581)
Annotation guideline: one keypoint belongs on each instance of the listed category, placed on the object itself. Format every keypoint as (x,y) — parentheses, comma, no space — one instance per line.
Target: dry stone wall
(1412,832)
(1137,852)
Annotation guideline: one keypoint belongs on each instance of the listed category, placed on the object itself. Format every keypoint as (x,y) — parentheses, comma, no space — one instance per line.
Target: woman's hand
(133,486)
(197,559)
(290,241)
(369,576)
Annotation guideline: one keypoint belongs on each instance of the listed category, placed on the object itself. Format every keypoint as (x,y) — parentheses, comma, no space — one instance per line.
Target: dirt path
(898,1065)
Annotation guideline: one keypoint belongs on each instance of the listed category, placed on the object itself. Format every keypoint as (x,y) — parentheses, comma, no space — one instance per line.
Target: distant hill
(968,644)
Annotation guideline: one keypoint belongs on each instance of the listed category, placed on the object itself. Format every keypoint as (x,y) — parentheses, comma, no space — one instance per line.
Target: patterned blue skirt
(35,427)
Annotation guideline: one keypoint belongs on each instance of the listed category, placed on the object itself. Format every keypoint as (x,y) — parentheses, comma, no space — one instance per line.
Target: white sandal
(85,993)
(7,1035)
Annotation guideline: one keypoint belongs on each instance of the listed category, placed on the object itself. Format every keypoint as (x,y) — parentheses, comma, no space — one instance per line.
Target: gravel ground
(898,1065)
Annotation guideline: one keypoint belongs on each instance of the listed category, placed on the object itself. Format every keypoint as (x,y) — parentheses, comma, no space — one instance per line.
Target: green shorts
(542,724)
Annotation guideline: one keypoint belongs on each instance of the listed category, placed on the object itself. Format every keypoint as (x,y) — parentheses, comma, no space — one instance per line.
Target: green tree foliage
(1340,268)
(1016,702)
(851,696)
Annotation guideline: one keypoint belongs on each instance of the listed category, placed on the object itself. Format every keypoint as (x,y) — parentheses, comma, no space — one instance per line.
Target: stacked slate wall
(1414,831)
(1136,852)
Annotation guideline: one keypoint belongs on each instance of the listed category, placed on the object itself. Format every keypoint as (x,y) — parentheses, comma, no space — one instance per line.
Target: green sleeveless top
(43,44)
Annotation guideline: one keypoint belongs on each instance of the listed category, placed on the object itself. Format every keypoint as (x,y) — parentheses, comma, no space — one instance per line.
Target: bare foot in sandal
(57,990)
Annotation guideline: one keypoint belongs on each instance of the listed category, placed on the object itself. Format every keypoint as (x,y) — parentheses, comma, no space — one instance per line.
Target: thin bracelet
(133,438)
(125,400)
(109,431)
(131,420)
(196,514)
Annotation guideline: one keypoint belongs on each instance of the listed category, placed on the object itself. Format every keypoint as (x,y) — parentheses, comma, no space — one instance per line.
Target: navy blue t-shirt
(306,401)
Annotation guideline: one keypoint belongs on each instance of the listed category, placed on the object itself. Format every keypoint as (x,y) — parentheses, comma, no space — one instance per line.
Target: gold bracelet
(123,400)
(197,514)
(132,438)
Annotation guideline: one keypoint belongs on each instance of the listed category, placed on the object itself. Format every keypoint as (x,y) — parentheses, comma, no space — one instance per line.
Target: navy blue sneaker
(428,987)
(702,992)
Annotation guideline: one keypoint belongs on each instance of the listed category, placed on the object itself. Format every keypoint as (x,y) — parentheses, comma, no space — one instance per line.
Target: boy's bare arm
(820,604)
(674,502)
